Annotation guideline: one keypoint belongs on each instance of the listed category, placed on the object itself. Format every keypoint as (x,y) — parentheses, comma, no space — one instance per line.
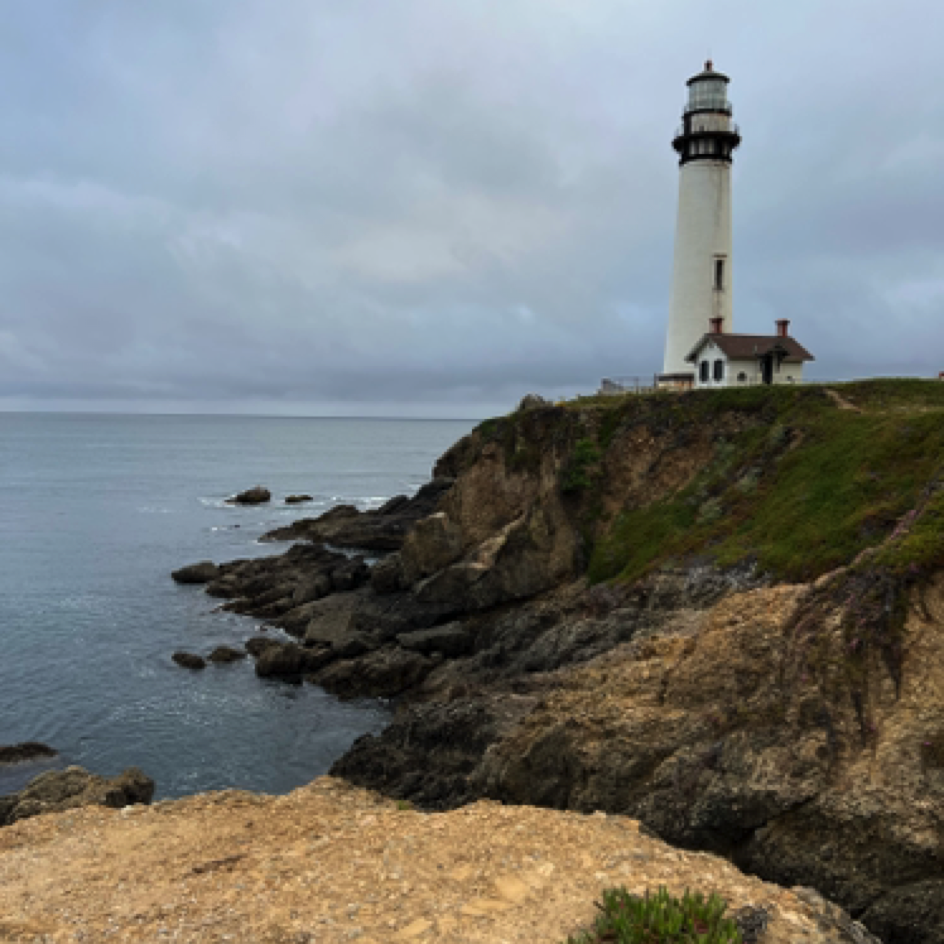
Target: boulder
(72,788)
(297,499)
(257,495)
(386,575)
(204,572)
(24,751)
(451,640)
(312,588)
(434,543)
(289,660)
(188,660)
(383,673)
(258,644)
(226,654)
(349,576)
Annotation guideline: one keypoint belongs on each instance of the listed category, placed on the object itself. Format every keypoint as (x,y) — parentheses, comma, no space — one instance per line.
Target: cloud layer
(415,207)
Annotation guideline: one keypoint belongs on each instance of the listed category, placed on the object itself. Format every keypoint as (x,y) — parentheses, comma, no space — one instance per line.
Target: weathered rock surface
(189,660)
(71,788)
(287,660)
(25,751)
(224,654)
(204,572)
(257,495)
(380,530)
(329,863)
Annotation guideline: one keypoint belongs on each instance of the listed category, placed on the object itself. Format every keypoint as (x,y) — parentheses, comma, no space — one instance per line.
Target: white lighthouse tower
(701,278)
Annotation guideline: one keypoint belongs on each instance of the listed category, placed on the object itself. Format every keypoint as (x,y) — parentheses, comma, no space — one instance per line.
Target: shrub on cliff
(660,919)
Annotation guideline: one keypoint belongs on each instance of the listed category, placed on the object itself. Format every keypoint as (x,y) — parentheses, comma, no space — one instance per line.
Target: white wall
(703,233)
(788,373)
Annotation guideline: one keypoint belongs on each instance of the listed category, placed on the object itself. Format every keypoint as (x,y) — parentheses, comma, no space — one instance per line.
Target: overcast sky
(431,207)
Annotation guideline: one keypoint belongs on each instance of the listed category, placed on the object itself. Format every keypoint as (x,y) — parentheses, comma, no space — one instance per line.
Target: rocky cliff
(719,613)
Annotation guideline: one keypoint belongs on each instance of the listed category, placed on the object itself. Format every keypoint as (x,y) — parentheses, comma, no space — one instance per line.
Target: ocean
(95,512)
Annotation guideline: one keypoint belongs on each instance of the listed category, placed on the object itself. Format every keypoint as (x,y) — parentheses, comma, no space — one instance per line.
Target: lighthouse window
(719,370)
(719,273)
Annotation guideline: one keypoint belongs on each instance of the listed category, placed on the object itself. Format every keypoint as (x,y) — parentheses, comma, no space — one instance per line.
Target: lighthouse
(702,272)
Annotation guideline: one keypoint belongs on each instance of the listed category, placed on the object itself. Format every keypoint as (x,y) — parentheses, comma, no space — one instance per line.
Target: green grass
(660,919)
(804,487)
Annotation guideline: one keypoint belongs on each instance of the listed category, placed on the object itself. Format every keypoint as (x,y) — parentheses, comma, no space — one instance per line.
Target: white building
(702,274)
(740,360)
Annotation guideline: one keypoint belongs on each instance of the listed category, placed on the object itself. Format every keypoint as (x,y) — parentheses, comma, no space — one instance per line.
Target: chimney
(716,325)
(782,325)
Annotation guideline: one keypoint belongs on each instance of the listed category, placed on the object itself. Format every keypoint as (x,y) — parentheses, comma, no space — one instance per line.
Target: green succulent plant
(660,919)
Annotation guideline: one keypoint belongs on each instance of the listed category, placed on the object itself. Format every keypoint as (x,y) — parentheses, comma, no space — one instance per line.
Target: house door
(767,368)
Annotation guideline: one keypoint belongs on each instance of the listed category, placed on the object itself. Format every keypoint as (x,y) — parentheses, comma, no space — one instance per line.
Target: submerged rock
(189,660)
(226,654)
(74,787)
(297,499)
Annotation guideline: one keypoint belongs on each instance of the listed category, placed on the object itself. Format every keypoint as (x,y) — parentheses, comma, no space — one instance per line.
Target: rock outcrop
(204,572)
(759,682)
(380,530)
(72,788)
(331,864)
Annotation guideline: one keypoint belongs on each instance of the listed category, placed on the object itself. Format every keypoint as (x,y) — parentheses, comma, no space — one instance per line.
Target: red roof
(739,347)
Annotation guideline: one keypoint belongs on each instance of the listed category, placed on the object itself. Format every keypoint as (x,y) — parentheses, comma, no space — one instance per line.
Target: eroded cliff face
(727,739)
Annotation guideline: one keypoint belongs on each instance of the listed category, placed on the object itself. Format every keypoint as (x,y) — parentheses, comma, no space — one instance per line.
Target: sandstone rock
(189,660)
(226,654)
(24,751)
(433,543)
(74,787)
(257,495)
(452,640)
(386,575)
(297,499)
(204,572)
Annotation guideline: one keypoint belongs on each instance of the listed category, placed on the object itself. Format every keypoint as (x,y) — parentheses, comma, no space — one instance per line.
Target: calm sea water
(95,511)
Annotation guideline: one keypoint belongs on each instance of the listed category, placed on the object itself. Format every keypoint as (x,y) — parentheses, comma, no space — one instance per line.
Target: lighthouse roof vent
(708,74)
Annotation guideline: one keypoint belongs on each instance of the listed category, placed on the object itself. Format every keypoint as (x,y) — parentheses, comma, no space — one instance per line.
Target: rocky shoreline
(716,705)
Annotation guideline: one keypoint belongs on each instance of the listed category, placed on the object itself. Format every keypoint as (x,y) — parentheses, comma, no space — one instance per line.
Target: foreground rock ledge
(333,863)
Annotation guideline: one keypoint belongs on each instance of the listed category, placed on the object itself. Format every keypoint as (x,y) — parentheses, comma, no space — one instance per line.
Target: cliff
(716,617)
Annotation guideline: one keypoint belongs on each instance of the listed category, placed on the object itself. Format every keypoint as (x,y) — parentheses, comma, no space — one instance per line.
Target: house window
(704,372)
(719,370)
(719,273)
(742,377)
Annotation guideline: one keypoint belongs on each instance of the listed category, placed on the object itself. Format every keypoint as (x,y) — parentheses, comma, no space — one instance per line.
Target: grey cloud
(354,206)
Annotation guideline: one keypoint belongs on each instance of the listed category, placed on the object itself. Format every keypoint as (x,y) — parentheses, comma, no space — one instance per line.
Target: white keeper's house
(701,349)
(738,360)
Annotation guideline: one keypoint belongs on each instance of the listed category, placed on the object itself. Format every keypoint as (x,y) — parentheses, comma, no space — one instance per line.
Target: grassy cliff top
(799,479)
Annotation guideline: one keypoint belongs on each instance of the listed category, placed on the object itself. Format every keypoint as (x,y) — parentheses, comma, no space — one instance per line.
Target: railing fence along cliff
(619,386)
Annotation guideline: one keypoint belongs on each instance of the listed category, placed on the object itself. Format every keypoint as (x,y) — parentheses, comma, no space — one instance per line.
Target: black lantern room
(707,132)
